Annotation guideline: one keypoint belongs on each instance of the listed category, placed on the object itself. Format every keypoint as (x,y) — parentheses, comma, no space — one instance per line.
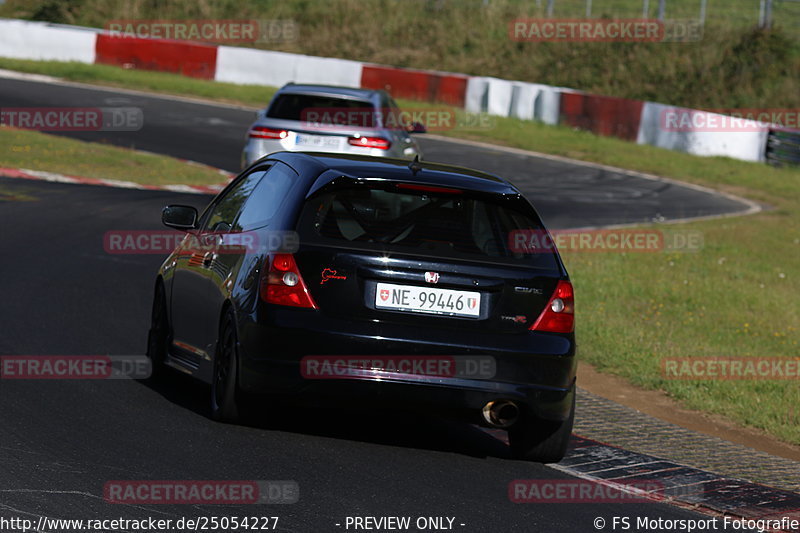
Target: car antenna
(414,166)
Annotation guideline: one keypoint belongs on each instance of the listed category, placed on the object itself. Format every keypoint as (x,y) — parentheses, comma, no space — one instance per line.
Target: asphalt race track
(61,441)
(566,194)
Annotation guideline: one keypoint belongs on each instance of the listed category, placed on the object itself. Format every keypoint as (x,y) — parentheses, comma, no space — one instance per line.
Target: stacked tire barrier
(641,122)
(783,147)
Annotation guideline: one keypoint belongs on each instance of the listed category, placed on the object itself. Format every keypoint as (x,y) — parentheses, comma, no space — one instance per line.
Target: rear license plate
(317,141)
(428,300)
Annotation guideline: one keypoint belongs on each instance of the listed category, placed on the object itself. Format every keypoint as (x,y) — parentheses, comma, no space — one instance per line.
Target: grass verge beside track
(144,80)
(738,296)
(37,151)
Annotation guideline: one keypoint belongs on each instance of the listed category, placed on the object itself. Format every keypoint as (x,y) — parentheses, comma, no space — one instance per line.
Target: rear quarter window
(266,198)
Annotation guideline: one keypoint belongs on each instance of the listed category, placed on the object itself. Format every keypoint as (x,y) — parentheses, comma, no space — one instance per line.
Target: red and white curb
(42,175)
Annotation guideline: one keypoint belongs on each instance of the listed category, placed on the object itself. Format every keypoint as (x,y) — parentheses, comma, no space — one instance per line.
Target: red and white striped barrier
(248,66)
(46,42)
(628,119)
(603,115)
(178,57)
(423,85)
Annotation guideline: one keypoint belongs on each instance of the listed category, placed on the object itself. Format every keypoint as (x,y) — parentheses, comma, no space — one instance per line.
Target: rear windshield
(443,225)
(328,109)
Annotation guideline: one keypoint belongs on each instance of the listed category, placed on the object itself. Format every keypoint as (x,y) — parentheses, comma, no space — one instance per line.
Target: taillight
(559,315)
(260,132)
(283,284)
(370,142)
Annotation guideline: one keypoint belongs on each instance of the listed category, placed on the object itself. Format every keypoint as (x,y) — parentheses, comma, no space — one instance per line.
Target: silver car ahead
(322,118)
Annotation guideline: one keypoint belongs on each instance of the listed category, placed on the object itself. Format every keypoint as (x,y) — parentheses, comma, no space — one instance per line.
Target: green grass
(144,80)
(733,66)
(738,296)
(38,151)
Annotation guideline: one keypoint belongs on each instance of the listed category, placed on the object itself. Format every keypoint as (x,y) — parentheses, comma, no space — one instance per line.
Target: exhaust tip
(500,413)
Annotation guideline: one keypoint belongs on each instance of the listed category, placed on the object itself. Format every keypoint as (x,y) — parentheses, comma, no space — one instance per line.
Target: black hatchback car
(340,278)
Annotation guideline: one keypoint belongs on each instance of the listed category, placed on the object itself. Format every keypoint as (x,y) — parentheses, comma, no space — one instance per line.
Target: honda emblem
(432,277)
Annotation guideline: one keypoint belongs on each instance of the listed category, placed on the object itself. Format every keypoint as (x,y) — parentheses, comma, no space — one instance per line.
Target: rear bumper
(535,370)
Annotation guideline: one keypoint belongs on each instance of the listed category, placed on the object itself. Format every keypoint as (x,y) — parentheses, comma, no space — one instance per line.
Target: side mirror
(417,127)
(182,217)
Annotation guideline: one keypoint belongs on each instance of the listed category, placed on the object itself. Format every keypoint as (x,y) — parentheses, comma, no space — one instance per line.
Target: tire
(158,337)
(224,382)
(539,441)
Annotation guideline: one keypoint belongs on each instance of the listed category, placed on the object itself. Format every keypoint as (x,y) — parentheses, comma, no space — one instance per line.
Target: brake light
(559,315)
(283,284)
(370,142)
(260,132)
(428,188)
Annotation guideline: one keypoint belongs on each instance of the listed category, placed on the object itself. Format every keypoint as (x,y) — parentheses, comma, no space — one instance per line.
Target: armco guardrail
(627,119)
(783,147)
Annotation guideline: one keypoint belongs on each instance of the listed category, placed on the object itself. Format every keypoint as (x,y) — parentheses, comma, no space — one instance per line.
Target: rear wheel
(224,384)
(158,335)
(541,441)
